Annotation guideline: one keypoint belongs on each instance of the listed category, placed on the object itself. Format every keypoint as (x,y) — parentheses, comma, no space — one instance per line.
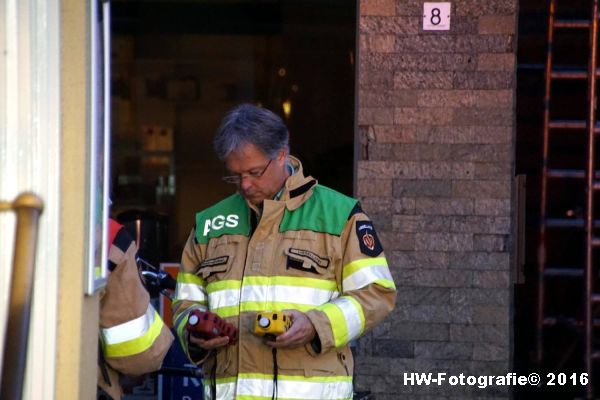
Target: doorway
(178,66)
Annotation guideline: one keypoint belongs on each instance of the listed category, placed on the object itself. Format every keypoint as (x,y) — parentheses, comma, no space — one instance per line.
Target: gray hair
(246,124)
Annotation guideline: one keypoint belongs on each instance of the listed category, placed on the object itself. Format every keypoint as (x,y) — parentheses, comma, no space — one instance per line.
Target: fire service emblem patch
(367,238)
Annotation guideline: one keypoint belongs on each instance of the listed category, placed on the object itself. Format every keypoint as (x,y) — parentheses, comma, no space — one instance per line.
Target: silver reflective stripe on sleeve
(132,337)
(190,291)
(129,330)
(366,276)
(353,315)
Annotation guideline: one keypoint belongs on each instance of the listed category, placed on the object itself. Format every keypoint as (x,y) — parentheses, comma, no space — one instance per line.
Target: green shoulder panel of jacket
(230,216)
(326,211)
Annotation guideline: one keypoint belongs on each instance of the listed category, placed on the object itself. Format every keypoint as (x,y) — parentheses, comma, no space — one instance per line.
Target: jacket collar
(298,188)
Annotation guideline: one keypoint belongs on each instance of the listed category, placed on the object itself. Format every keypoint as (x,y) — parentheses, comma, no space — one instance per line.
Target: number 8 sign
(436,16)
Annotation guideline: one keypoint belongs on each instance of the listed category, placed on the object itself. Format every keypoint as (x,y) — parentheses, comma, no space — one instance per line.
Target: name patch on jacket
(320,261)
(305,260)
(214,261)
(367,238)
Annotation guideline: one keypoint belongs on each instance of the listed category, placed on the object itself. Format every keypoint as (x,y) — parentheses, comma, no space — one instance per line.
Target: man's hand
(210,344)
(301,332)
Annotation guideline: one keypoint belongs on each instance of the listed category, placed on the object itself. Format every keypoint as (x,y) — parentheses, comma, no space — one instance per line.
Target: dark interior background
(178,66)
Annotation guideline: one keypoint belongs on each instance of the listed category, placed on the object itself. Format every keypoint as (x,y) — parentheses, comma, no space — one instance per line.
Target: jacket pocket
(346,359)
(220,363)
(298,361)
(220,256)
(306,260)
(211,266)
(224,359)
(307,253)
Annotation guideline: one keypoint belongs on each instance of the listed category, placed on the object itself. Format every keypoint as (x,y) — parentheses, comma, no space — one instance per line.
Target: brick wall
(436,122)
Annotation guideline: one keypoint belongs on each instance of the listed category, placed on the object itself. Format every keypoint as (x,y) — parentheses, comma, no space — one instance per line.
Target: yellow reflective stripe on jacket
(257,306)
(290,281)
(225,388)
(346,318)
(361,273)
(181,317)
(224,297)
(179,328)
(190,287)
(224,302)
(260,386)
(132,337)
(268,293)
(306,296)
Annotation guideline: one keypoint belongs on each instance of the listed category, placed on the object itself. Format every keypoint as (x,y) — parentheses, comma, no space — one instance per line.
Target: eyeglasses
(237,179)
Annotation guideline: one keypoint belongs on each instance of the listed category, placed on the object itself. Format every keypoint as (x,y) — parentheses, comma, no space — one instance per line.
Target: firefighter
(133,338)
(281,243)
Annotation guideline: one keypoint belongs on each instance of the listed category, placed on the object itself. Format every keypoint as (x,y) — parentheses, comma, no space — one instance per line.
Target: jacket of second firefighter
(313,250)
(133,338)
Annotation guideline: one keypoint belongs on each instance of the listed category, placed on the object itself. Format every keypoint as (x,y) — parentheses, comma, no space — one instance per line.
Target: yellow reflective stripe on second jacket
(134,339)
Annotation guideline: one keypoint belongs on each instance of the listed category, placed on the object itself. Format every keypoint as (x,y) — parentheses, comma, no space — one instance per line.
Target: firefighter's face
(258,177)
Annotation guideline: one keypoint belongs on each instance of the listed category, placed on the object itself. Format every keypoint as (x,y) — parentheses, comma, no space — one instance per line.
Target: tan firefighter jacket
(314,250)
(133,338)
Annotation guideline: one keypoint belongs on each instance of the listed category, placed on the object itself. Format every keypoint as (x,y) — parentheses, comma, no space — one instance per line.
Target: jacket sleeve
(190,295)
(134,338)
(368,292)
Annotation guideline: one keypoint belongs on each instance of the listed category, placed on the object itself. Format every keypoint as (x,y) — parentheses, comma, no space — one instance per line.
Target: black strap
(302,189)
(213,380)
(123,240)
(274,396)
(102,395)
(253,221)
(357,209)
(102,365)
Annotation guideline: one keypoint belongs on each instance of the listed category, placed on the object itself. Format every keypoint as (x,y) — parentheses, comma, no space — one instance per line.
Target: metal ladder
(589,174)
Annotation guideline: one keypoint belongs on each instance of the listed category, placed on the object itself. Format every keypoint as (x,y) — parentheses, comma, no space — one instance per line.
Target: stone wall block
(497,24)
(490,243)
(491,80)
(370,187)
(377,7)
(422,188)
(496,62)
(370,116)
(443,278)
(424,297)
(480,260)
(482,189)
(392,25)
(423,80)
(419,259)
(495,207)
(395,133)
(443,351)
(444,242)
(444,206)
(491,279)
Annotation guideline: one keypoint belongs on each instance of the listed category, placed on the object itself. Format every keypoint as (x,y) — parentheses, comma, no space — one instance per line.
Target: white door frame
(30,160)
